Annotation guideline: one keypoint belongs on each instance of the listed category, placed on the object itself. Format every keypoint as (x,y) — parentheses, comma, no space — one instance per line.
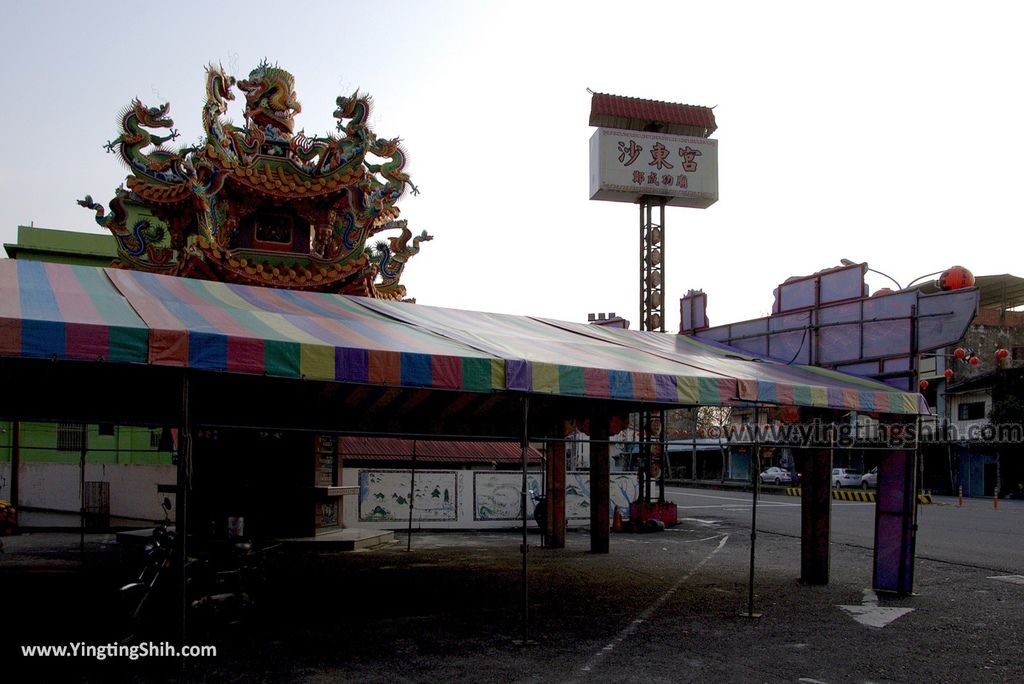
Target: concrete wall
(56,487)
(465,499)
(955,401)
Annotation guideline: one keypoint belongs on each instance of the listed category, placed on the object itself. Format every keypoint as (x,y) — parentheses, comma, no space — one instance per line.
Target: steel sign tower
(654,154)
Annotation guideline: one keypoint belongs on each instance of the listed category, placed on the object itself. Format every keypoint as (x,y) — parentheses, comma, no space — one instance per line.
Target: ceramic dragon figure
(392,257)
(138,241)
(260,203)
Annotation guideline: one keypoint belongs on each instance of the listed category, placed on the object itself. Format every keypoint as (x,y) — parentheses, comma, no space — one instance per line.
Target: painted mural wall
(384,495)
(497,495)
(466,499)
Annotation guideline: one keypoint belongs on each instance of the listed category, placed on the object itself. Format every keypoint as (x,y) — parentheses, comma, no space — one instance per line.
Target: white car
(776,476)
(870,479)
(846,477)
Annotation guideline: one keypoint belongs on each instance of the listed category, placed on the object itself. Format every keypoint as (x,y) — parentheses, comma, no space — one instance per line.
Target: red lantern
(883,291)
(975,360)
(949,373)
(923,385)
(1001,354)
(959,352)
(955,278)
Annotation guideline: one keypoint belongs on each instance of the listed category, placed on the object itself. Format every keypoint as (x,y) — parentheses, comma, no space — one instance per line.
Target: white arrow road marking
(871,614)
(1012,579)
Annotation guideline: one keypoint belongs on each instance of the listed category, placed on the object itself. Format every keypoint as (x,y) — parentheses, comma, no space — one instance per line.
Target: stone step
(348,539)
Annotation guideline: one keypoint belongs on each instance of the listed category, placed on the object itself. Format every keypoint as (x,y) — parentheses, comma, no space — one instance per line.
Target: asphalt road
(975,535)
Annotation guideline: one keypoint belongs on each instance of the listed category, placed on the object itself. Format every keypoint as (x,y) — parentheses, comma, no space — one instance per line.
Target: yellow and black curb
(851,495)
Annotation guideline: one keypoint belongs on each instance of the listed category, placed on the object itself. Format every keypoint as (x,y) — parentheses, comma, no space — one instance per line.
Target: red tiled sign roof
(634,113)
(434,451)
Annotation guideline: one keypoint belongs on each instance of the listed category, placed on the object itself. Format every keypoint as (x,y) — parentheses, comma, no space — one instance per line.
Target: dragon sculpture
(392,257)
(259,203)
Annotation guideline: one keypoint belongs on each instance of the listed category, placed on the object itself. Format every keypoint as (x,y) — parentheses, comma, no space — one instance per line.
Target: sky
(885,132)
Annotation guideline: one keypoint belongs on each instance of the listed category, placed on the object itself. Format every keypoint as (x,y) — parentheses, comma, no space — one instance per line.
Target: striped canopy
(76,312)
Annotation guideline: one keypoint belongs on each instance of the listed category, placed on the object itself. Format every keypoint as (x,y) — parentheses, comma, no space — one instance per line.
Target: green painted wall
(62,247)
(128,445)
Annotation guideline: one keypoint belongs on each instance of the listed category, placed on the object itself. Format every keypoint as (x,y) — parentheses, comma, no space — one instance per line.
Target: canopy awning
(82,313)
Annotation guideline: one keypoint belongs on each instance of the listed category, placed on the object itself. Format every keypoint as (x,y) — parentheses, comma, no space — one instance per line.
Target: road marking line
(759,505)
(649,611)
(676,541)
(1012,579)
(705,496)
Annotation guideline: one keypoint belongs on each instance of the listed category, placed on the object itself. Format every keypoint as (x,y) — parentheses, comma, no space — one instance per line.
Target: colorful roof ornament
(260,204)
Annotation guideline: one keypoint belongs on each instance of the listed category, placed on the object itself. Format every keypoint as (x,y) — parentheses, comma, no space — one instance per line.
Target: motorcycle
(219,584)
(137,596)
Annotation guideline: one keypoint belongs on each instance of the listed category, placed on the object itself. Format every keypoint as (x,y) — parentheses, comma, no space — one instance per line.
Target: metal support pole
(599,483)
(652,317)
(643,271)
(525,547)
(83,435)
(412,493)
(664,455)
(182,502)
(755,471)
(15,461)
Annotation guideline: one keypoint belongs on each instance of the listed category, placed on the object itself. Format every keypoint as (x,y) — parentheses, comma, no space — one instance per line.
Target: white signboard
(625,165)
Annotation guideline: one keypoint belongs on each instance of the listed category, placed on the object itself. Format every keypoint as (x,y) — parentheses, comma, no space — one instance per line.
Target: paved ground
(659,608)
(975,534)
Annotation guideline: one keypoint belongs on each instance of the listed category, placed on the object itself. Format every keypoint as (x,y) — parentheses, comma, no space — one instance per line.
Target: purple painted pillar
(896,523)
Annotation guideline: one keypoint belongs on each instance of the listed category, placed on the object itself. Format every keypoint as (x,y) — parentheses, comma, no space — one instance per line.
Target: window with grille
(154,439)
(974,410)
(69,437)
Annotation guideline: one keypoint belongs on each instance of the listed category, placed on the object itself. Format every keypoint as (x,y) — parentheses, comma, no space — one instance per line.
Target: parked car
(846,477)
(870,479)
(776,476)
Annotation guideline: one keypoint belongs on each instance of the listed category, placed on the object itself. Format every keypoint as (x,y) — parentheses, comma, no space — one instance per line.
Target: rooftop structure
(62,247)
(261,204)
(636,114)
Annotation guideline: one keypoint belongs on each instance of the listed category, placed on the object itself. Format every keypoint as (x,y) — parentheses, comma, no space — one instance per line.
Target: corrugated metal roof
(633,113)
(1007,377)
(997,291)
(434,451)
